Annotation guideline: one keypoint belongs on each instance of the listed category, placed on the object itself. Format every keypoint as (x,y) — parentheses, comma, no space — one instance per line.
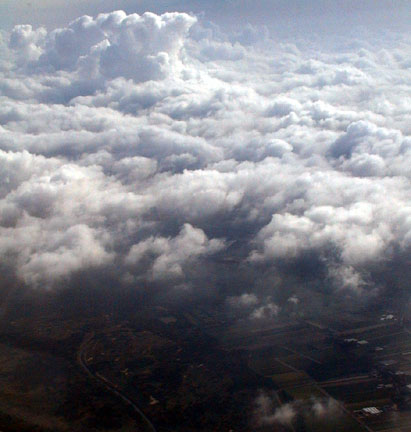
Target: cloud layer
(157,145)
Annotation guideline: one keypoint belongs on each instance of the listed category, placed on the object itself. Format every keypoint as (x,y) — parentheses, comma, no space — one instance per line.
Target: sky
(285,17)
(258,152)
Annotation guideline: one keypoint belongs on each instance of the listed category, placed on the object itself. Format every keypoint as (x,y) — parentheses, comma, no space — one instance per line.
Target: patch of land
(191,369)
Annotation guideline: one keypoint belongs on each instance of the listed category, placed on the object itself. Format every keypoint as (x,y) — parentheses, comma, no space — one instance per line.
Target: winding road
(109,385)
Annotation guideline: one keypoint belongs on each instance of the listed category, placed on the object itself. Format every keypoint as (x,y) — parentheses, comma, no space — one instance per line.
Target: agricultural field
(194,370)
(363,365)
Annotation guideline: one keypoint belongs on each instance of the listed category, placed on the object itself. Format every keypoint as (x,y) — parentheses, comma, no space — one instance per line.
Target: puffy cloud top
(153,145)
(138,47)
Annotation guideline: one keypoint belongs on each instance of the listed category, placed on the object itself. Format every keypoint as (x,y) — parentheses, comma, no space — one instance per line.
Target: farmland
(198,369)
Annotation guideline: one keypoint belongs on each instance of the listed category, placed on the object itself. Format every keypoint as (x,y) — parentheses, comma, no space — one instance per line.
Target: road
(109,385)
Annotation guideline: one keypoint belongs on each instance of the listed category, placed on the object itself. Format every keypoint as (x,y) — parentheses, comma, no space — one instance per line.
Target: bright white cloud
(159,140)
(170,254)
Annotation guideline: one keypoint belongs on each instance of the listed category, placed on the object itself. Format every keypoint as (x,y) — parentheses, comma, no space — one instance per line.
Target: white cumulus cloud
(151,143)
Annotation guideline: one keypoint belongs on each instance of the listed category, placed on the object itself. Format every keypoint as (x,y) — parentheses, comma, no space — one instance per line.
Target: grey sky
(284,17)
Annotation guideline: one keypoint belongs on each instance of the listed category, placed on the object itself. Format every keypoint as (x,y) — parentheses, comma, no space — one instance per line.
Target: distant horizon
(289,16)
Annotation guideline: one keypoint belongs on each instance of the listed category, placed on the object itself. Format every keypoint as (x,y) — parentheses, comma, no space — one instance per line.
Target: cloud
(294,300)
(168,255)
(138,47)
(75,249)
(165,141)
(265,312)
(266,414)
(314,410)
(325,408)
(283,415)
(253,308)
(244,300)
(27,42)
